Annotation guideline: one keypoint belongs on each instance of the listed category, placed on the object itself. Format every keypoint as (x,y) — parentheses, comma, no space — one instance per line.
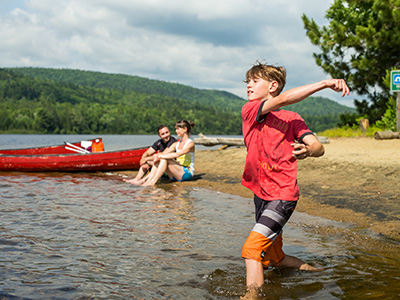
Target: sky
(205,44)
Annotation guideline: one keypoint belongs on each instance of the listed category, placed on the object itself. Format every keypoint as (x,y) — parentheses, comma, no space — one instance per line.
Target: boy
(275,139)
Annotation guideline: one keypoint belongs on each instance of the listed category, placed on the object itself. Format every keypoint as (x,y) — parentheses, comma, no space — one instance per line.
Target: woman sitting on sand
(177,161)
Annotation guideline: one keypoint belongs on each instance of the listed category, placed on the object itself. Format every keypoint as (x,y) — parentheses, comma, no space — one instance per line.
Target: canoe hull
(77,162)
(103,161)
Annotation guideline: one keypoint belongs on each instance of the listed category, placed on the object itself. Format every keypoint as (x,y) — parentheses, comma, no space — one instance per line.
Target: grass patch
(349,132)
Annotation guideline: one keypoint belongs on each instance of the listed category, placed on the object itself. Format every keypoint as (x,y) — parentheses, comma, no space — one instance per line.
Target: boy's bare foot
(251,294)
(307,267)
(294,262)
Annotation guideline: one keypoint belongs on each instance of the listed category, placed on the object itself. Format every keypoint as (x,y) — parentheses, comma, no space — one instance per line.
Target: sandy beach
(356,181)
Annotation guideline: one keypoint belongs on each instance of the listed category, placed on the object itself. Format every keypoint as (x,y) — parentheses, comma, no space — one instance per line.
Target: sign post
(395,87)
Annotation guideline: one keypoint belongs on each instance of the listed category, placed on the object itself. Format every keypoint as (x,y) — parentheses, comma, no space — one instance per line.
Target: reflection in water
(92,236)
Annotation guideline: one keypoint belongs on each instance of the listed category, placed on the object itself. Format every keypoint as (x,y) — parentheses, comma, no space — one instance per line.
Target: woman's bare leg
(175,170)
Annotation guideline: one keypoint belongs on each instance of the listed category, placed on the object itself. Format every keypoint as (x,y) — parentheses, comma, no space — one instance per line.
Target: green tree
(388,120)
(360,44)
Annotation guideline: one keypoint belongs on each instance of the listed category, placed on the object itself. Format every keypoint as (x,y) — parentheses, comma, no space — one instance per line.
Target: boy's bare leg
(254,278)
(294,262)
(254,273)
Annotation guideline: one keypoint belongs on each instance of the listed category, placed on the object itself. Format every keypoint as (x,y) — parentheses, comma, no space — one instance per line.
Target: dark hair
(160,127)
(185,124)
(269,73)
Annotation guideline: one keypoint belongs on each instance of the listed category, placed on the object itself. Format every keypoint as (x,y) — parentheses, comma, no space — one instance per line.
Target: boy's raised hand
(338,85)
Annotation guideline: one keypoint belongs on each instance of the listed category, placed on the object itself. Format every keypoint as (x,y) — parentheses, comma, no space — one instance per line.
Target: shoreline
(357,181)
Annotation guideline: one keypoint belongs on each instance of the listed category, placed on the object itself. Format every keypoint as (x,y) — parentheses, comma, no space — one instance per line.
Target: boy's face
(258,89)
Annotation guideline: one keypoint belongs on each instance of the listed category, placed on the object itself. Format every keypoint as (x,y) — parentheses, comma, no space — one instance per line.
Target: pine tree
(360,44)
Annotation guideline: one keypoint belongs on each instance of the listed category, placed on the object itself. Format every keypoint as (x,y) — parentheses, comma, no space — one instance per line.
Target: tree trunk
(386,135)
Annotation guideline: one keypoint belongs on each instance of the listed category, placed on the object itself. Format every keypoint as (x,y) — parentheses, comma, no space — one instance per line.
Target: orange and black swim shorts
(264,243)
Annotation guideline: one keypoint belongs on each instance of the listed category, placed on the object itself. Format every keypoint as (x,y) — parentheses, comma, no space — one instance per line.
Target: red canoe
(67,148)
(62,159)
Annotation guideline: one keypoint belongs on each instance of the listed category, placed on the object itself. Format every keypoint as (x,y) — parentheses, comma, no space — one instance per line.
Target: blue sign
(395,81)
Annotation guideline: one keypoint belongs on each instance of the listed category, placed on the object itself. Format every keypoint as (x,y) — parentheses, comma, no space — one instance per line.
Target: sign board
(395,81)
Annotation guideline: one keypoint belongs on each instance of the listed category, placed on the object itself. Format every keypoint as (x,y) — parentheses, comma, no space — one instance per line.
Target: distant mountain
(63,100)
(318,106)
(320,113)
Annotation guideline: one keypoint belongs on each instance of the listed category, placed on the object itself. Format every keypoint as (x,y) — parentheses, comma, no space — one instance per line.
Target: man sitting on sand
(146,162)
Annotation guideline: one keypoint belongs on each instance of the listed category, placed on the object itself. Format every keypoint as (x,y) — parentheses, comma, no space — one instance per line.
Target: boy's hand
(300,151)
(338,85)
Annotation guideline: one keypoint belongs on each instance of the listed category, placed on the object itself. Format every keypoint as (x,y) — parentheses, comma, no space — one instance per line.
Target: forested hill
(34,105)
(37,100)
(135,84)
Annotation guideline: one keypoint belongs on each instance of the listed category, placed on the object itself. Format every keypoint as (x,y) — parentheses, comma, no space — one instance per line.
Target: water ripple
(88,236)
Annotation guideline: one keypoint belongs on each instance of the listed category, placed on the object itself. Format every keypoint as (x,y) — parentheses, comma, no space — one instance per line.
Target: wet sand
(357,181)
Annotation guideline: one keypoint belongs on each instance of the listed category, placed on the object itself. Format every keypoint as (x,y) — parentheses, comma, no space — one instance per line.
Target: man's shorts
(264,243)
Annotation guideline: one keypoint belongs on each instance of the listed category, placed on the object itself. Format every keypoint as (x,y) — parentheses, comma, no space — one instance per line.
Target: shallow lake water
(93,236)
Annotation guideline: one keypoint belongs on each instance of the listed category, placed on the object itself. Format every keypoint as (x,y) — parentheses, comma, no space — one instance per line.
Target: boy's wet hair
(185,124)
(269,73)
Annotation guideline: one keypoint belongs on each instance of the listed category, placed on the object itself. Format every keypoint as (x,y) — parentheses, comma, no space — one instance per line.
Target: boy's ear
(273,87)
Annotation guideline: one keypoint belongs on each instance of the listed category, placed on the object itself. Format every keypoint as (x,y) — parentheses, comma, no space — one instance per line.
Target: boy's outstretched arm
(300,93)
(310,147)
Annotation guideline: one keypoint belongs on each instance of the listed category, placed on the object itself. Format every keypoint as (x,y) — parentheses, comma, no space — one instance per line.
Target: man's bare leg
(138,177)
(154,176)
(149,175)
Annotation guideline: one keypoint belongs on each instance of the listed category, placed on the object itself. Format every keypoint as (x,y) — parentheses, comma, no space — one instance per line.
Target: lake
(93,236)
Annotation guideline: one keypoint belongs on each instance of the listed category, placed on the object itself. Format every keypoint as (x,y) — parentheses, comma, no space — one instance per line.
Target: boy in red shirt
(275,139)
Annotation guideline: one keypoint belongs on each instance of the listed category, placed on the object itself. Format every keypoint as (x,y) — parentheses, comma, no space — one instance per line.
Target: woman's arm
(170,149)
(300,93)
(173,155)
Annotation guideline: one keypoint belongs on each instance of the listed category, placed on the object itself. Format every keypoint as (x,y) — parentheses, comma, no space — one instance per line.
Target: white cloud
(205,44)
